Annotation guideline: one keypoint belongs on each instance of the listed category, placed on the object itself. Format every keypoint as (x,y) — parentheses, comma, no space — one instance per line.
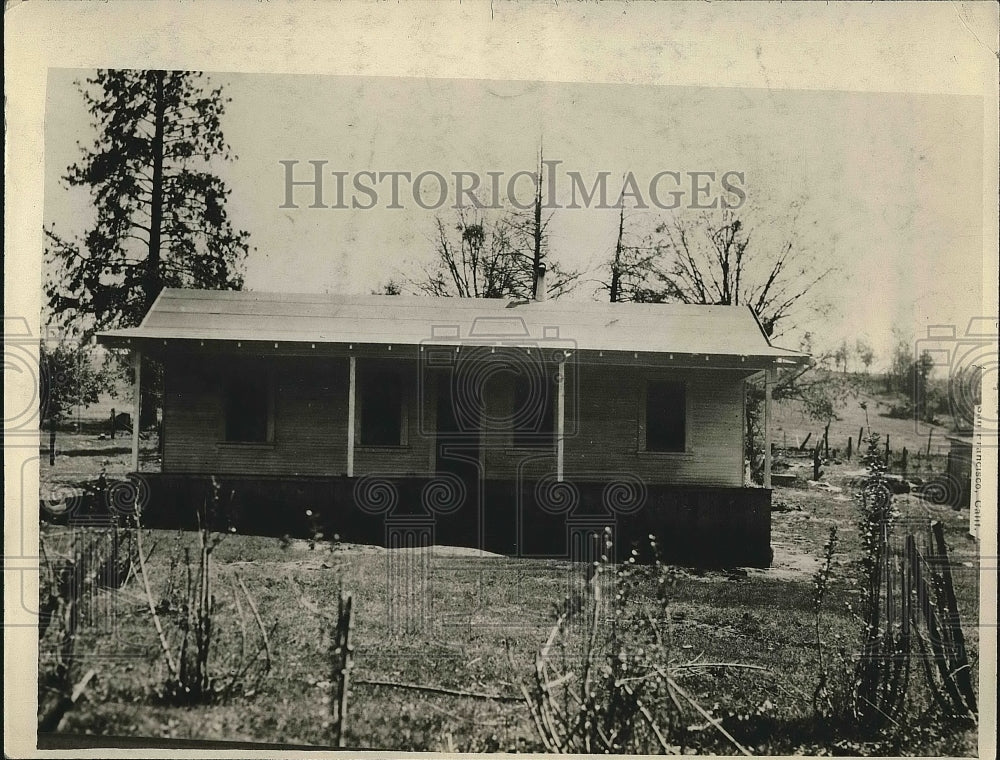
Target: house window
(248,408)
(381,408)
(533,411)
(665,416)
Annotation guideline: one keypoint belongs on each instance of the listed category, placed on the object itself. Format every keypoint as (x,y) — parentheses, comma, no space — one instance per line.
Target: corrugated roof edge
(143,330)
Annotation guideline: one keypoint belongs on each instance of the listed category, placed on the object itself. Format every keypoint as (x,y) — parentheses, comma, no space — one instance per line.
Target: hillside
(792,424)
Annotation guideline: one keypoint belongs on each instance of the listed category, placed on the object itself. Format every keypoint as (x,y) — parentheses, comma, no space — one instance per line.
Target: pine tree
(160,217)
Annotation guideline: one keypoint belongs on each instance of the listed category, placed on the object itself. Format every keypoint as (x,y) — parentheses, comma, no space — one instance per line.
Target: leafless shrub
(621,693)
(193,667)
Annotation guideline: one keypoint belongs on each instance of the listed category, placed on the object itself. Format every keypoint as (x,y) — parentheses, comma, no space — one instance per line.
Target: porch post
(768,389)
(136,406)
(351,390)
(560,418)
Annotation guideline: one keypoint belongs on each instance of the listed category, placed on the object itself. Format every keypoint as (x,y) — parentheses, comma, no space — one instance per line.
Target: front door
(457,432)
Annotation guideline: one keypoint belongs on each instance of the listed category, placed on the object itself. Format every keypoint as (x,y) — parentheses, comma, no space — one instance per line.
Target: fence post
(112,423)
(951,621)
(342,650)
(849,450)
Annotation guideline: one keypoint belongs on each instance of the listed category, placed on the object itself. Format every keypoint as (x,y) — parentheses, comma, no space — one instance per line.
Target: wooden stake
(342,651)
(137,407)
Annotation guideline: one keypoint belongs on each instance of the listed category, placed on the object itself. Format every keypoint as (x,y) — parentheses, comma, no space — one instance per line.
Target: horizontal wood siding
(603,416)
(604,409)
(310,421)
(611,408)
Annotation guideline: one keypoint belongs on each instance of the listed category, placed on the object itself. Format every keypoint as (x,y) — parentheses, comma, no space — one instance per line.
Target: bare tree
(631,265)
(494,256)
(711,260)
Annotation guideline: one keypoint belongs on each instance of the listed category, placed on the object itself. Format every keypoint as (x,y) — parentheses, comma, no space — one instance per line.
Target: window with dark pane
(665,416)
(533,411)
(247,404)
(381,396)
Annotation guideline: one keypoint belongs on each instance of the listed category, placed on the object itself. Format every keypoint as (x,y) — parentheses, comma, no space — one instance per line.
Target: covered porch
(510,427)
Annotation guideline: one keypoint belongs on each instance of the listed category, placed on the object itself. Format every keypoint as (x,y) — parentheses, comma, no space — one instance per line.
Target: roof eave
(135,338)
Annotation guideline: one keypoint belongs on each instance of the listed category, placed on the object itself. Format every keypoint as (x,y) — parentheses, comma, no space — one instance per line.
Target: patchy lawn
(482,620)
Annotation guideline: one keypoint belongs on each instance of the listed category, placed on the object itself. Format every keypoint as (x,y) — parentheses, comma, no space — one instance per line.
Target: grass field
(485,613)
(482,622)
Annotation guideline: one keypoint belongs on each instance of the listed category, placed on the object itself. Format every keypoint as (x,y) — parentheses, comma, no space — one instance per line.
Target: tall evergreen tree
(160,217)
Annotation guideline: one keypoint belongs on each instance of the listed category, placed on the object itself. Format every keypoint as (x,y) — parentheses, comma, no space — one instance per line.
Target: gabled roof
(201,315)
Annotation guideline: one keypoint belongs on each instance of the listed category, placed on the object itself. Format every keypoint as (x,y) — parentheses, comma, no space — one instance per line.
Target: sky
(885,187)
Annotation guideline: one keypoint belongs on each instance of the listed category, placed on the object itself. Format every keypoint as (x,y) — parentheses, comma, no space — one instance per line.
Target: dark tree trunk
(537,260)
(616,267)
(154,279)
(154,283)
